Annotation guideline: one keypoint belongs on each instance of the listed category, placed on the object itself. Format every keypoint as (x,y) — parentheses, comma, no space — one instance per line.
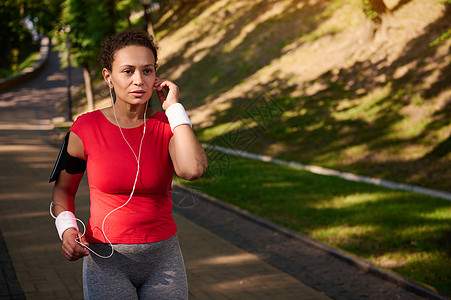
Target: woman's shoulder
(88,116)
(160,123)
(85,120)
(161,117)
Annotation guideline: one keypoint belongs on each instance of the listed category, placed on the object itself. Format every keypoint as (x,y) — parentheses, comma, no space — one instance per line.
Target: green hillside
(341,87)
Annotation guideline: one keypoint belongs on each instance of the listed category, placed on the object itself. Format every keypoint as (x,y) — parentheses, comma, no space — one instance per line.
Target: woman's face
(133,74)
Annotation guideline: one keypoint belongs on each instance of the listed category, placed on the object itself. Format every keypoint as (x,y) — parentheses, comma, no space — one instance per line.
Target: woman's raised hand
(172,92)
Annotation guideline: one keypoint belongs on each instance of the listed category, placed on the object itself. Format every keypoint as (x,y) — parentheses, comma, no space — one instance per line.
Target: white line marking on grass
(330,172)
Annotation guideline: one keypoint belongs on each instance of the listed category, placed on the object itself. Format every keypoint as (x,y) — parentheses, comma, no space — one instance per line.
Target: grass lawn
(406,232)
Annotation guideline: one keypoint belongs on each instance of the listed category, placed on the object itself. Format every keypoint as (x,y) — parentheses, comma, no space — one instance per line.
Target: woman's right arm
(64,192)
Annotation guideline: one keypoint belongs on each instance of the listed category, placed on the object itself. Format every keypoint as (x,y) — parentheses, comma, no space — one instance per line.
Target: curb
(9,285)
(358,262)
(28,73)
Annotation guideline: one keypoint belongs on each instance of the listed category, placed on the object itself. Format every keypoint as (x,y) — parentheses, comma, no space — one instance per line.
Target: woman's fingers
(82,240)
(71,248)
(172,90)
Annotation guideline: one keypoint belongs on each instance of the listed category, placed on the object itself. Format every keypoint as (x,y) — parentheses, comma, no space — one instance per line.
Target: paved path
(216,268)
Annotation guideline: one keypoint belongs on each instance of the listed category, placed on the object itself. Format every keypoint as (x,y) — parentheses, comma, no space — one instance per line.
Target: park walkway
(216,268)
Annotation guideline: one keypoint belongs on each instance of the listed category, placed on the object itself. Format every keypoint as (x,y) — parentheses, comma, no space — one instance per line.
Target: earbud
(109,80)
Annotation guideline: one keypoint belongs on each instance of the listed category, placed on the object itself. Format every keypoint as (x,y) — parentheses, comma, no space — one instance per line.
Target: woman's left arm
(188,156)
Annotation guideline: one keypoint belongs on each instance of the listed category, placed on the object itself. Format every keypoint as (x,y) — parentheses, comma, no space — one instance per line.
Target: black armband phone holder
(72,165)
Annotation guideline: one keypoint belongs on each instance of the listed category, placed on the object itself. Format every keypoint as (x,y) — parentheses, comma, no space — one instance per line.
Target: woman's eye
(148,71)
(128,71)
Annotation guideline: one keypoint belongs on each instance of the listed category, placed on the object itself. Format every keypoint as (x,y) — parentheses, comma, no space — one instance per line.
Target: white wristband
(177,116)
(64,221)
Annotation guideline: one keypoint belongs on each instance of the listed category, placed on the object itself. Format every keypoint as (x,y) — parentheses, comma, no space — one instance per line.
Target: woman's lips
(138,93)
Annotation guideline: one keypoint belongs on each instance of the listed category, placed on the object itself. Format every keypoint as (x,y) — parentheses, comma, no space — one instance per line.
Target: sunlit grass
(439,214)
(350,200)
(27,63)
(220,129)
(421,265)
(367,107)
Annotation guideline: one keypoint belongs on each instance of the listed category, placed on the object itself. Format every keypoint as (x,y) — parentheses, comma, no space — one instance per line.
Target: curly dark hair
(123,39)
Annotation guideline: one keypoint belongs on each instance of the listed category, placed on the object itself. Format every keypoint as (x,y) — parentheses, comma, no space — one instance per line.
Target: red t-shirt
(112,167)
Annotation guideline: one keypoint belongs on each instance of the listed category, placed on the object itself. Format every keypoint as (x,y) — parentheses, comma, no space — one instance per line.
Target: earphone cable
(137,157)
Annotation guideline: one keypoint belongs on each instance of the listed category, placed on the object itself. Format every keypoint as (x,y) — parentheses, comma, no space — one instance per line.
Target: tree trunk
(147,20)
(150,29)
(376,11)
(88,88)
(378,6)
(111,15)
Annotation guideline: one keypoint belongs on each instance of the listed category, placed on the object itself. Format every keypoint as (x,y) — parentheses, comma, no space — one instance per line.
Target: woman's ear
(107,76)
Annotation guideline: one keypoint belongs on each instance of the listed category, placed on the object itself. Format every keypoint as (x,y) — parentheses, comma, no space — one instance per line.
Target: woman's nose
(138,80)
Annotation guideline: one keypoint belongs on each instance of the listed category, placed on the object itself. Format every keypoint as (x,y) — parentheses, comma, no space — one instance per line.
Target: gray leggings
(136,271)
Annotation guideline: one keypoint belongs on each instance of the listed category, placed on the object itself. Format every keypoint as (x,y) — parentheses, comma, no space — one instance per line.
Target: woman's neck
(132,112)
(130,115)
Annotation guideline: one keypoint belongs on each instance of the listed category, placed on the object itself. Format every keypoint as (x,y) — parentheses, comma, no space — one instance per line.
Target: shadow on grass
(222,68)
(433,169)
(311,132)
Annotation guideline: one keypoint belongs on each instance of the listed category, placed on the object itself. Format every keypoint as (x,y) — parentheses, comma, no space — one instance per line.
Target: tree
(15,37)
(123,11)
(12,35)
(42,13)
(85,23)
